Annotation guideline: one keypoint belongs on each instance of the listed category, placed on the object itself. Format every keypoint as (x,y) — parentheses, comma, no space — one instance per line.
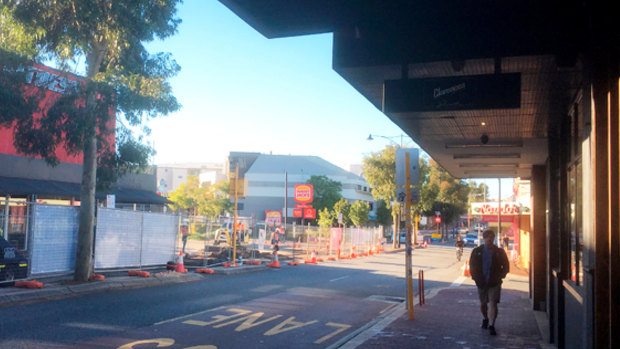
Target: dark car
(13,263)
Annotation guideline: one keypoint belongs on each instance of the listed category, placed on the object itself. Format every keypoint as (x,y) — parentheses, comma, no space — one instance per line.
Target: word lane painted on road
(247,319)
(242,320)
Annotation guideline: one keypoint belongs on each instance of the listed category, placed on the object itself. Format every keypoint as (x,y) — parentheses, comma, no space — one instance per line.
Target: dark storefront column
(538,240)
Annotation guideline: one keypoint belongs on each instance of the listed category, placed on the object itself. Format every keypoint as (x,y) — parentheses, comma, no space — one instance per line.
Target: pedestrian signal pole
(408,240)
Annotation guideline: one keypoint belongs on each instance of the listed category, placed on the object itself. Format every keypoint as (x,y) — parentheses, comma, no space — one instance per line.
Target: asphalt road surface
(305,306)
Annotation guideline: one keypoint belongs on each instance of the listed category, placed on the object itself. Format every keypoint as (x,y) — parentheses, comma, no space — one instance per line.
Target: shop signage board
(491,208)
(491,91)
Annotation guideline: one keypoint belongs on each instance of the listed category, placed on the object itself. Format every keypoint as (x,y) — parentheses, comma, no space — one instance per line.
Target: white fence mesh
(54,238)
(122,236)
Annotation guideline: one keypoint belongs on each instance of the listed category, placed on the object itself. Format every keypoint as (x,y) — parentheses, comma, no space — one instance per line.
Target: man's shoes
(492,331)
(485,323)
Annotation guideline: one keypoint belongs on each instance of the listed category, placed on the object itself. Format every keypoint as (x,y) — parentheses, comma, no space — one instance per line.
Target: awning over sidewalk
(45,188)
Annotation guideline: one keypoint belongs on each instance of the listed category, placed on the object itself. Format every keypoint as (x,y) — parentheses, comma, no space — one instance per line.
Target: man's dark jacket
(499,266)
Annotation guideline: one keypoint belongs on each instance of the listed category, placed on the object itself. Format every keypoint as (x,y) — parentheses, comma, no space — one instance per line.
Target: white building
(264,176)
(170,176)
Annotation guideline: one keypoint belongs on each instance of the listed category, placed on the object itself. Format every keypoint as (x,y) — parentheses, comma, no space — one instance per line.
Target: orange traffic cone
(466,271)
(180,268)
(312,259)
(425,244)
(275,263)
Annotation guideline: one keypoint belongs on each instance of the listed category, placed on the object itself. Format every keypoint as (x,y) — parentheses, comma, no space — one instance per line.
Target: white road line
(458,282)
(340,278)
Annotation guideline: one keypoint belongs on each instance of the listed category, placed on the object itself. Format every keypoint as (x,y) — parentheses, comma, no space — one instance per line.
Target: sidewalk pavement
(450,317)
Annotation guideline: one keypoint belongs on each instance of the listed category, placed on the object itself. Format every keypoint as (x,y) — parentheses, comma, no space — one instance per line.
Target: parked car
(471,239)
(13,263)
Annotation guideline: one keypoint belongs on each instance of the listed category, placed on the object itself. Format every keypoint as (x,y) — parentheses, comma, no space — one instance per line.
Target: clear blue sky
(243,92)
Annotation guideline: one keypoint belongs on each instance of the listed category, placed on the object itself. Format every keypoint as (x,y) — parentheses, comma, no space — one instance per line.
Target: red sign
(273,218)
(438,219)
(309,213)
(297,212)
(303,193)
(52,84)
(303,206)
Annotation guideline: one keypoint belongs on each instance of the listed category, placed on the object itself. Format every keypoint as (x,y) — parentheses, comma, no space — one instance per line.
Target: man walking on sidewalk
(489,265)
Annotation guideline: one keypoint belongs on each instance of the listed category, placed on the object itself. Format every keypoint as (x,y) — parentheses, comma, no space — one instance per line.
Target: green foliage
(343,206)
(478,193)
(326,218)
(326,192)
(380,172)
(384,216)
(359,213)
(210,201)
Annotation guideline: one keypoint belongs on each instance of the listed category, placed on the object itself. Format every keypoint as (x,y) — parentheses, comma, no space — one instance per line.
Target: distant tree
(343,206)
(359,213)
(384,217)
(326,218)
(211,200)
(478,192)
(121,75)
(326,192)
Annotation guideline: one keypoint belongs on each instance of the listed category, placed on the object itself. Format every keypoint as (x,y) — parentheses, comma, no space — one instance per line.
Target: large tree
(108,37)
(326,192)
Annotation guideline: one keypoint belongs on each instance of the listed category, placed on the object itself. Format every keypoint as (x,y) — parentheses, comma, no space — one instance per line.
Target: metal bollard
(421,286)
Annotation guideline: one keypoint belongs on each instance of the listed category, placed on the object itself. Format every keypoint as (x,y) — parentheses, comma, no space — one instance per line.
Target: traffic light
(438,219)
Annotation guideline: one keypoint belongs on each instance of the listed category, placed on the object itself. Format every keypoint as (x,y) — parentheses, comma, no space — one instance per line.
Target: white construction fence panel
(118,241)
(54,238)
(159,238)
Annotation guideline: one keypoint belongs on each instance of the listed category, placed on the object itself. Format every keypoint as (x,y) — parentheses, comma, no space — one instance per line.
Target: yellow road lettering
(341,328)
(219,318)
(161,342)
(288,325)
(249,321)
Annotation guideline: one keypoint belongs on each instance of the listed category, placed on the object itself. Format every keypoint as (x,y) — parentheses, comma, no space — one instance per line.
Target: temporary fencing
(133,238)
(47,236)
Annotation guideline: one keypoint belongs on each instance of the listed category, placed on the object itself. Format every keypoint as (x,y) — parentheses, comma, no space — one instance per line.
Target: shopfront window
(576,226)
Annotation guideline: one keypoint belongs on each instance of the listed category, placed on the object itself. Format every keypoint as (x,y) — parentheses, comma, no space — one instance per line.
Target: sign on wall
(491,208)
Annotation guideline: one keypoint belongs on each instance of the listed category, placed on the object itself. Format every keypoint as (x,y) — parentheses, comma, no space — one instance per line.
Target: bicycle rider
(459,244)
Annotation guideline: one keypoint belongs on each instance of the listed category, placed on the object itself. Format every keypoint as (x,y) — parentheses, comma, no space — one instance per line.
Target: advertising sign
(297,212)
(273,218)
(303,193)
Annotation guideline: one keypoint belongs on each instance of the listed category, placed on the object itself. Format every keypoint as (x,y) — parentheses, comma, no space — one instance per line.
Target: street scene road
(305,306)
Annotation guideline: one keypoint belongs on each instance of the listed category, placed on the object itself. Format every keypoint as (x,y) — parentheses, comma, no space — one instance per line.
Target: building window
(575,196)
(239,206)
(576,226)
(371,205)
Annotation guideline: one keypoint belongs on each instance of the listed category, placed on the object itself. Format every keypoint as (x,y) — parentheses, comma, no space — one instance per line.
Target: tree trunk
(83,259)
(86,231)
